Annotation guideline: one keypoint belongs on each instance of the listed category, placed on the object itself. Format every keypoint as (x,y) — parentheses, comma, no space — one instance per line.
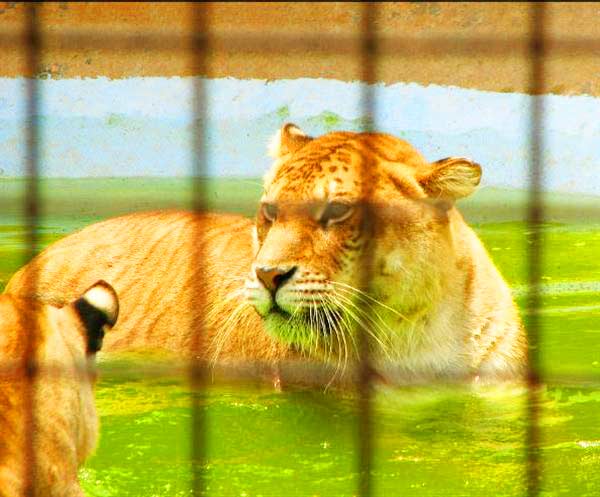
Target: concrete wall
(572,72)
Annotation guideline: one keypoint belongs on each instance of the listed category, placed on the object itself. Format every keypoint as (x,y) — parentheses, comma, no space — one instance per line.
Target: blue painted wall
(143,126)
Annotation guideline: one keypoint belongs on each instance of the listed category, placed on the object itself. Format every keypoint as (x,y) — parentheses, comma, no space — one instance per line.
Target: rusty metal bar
(368,104)
(323,44)
(9,370)
(31,212)
(535,218)
(198,374)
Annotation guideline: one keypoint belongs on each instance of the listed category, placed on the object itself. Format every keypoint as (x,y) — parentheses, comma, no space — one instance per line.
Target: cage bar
(535,218)
(33,47)
(197,369)
(324,43)
(368,104)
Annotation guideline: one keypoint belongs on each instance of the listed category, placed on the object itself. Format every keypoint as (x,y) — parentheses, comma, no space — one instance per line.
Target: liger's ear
(451,178)
(98,309)
(287,140)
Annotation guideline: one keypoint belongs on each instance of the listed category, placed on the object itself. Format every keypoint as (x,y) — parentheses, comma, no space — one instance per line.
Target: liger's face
(307,279)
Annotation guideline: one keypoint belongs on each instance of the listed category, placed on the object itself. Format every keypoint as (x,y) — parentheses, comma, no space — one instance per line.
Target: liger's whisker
(361,293)
(364,325)
(339,330)
(332,330)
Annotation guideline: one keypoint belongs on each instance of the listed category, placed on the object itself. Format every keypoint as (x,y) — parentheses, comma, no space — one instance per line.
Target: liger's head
(350,231)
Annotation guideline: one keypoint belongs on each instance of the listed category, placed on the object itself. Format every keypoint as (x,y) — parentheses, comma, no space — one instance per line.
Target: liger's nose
(273,277)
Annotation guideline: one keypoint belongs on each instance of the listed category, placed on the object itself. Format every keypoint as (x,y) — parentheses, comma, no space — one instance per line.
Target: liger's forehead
(334,174)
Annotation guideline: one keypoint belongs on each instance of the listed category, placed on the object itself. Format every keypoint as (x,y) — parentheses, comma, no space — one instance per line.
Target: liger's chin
(315,334)
(287,328)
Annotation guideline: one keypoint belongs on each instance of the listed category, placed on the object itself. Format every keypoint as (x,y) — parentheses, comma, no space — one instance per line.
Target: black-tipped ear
(451,178)
(287,140)
(98,309)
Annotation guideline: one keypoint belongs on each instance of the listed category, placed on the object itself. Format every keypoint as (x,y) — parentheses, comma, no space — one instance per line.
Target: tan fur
(173,272)
(64,415)
(426,264)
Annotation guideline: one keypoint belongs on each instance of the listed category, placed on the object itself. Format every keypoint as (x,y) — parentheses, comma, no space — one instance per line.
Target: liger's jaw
(312,317)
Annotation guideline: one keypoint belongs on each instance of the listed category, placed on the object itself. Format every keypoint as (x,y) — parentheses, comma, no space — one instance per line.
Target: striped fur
(179,277)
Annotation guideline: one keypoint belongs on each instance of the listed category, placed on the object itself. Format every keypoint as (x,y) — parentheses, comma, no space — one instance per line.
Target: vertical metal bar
(365,445)
(535,244)
(197,259)
(31,211)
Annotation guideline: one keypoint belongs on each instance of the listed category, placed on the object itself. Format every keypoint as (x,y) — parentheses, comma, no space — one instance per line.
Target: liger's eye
(336,212)
(269,211)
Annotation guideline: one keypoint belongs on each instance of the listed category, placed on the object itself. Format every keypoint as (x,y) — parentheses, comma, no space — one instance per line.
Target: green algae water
(427,441)
(260,442)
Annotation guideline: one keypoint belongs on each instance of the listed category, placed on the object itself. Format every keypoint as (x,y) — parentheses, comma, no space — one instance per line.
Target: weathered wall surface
(574,72)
